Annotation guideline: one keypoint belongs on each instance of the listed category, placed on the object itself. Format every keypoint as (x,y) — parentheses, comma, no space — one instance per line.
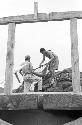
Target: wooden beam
(9,59)
(75,56)
(41,17)
(24,19)
(35,10)
(59,16)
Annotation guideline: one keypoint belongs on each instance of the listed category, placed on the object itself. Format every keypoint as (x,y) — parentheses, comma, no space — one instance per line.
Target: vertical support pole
(35,10)
(9,59)
(75,56)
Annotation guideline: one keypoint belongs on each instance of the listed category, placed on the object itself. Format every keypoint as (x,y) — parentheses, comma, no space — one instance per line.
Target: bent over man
(52,65)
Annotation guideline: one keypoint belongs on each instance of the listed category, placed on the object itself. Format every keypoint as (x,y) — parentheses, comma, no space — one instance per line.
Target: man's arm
(37,74)
(17,77)
(42,60)
(20,71)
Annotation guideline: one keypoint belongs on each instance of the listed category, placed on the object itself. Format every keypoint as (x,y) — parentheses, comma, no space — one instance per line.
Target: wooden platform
(42,100)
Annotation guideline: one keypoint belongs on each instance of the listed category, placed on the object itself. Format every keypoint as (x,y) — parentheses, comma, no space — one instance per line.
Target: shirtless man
(52,65)
(28,77)
(25,71)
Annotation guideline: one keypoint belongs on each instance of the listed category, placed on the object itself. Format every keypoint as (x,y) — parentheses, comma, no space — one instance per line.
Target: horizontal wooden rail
(30,18)
(59,16)
(41,17)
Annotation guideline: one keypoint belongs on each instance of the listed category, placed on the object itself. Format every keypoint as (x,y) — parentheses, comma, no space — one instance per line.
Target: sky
(29,38)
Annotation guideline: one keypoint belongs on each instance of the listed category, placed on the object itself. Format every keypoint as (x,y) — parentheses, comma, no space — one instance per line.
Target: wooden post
(35,10)
(9,59)
(75,56)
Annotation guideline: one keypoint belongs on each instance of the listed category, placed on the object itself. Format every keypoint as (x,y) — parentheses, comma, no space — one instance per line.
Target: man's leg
(39,81)
(45,70)
(52,67)
(53,76)
(27,87)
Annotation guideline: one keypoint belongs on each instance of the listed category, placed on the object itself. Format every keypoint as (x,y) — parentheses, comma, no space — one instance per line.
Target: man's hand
(20,71)
(40,66)
(32,72)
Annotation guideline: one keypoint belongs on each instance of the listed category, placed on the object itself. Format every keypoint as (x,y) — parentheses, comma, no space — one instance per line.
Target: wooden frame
(42,17)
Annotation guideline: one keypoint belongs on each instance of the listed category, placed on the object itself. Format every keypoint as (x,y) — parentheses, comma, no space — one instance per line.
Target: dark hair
(42,50)
(27,57)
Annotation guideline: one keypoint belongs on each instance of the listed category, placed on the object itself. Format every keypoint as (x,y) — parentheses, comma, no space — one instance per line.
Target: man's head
(42,50)
(27,58)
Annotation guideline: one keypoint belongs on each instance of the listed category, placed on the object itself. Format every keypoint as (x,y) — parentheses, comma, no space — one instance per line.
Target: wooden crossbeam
(41,17)
(59,16)
(24,19)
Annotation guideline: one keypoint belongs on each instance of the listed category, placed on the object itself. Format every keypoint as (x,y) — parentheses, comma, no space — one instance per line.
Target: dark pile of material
(62,82)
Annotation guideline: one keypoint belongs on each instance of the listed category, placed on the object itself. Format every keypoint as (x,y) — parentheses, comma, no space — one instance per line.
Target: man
(52,65)
(28,77)
(25,71)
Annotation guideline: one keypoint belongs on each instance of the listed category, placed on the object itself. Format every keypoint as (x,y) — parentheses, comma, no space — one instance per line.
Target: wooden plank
(41,17)
(35,10)
(59,16)
(24,19)
(75,56)
(9,59)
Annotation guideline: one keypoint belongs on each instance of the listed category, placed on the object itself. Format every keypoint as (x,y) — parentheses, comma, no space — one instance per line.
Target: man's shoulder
(52,53)
(49,51)
(24,64)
